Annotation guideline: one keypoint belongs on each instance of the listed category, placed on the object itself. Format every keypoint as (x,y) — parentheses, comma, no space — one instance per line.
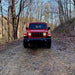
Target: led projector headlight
(44,34)
(29,34)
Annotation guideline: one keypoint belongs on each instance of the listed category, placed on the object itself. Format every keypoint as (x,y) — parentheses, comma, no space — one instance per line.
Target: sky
(5,5)
(52,3)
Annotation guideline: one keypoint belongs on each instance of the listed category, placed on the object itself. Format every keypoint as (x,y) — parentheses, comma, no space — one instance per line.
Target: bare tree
(74,3)
(1,16)
(41,10)
(70,8)
(15,17)
(61,12)
(66,9)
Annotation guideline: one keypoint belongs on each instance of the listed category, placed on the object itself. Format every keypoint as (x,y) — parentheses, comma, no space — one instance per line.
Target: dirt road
(59,60)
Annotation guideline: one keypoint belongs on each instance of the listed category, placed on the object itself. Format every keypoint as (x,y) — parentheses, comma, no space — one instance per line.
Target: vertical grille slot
(38,34)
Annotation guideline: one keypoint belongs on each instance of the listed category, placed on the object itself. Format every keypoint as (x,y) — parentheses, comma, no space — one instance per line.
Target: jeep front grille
(37,34)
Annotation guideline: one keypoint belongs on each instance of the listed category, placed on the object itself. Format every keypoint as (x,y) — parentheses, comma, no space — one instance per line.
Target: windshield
(37,26)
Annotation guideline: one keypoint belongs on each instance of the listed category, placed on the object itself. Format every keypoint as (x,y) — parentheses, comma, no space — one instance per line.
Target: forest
(15,15)
(47,47)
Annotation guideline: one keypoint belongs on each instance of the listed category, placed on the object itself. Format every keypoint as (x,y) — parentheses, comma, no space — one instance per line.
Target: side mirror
(26,28)
(48,28)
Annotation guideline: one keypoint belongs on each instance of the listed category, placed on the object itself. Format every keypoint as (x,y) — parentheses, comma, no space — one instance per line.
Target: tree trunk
(70,9)
(15,33)
(74,25)
(67,10)
(2,20)
(61,12)
(74,3)
(14,20)
(41,11)
(8,26)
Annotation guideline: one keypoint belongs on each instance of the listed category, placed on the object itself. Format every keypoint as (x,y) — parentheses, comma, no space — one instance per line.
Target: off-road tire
(48,44)
(25,44)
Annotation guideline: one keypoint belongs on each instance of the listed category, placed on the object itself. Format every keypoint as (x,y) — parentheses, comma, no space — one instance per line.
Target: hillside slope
(65,31)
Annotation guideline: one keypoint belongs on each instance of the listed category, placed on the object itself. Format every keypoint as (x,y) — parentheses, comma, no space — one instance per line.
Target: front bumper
(30,40)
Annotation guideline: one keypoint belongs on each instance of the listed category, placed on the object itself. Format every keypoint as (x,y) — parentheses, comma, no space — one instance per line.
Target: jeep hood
(38,30)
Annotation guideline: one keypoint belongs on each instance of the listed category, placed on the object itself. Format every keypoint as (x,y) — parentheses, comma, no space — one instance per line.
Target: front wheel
(48,44)
(25,44)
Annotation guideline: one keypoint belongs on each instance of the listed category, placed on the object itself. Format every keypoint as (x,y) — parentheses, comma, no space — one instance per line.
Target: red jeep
(37,34)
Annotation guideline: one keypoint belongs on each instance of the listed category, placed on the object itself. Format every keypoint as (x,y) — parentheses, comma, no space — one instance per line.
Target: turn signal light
(24,34)
(49,35)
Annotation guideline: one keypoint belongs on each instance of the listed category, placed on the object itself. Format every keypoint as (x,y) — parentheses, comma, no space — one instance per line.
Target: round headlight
(29,34)
(44,34)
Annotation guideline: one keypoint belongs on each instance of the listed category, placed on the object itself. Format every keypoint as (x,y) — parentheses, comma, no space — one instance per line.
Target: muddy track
(16,60)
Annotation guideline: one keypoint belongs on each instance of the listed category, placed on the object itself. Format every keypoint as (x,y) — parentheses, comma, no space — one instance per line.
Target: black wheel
(25,44)
(49,44)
